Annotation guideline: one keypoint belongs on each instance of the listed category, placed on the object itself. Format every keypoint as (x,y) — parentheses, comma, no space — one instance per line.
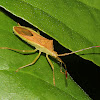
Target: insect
(40,43)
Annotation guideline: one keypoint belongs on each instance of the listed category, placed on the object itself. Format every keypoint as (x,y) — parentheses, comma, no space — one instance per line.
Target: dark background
(85,73)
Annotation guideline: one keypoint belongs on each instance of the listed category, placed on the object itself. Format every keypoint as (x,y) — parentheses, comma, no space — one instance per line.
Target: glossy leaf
(76,23)
(64,21)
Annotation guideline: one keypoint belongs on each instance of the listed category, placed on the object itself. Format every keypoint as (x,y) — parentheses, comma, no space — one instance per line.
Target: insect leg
(61,69)
(38,31)
(17,50)
(18,24)
(61,66)
(30,63)
(51,67)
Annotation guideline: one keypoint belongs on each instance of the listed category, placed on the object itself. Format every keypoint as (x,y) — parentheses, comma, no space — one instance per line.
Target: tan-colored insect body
(40,43)
(32,37)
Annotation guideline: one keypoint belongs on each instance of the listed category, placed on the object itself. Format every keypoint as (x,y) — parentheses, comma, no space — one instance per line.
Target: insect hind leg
(51,67)
(61,69)
(61,66)
(30,63)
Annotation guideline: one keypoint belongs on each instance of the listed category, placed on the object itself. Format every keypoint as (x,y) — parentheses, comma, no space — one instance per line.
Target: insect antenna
(77,51)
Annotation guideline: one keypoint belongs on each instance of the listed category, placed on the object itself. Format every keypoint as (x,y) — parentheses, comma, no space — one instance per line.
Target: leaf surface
(72,23)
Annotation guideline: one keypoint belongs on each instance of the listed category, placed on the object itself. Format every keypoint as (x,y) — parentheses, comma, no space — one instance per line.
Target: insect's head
(54,54)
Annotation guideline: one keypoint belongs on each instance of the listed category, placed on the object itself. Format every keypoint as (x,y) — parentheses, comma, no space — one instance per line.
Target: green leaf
(72,23)
(33,82)
(76,23)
